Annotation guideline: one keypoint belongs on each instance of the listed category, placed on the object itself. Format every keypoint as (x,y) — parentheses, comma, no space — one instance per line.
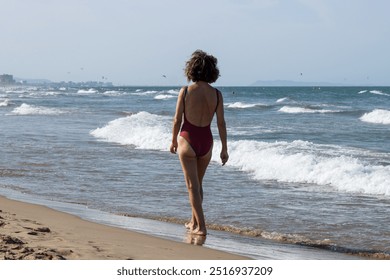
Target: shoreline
(66,233)
(30,231)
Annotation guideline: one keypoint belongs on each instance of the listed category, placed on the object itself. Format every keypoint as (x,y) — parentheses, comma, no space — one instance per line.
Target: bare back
(200,103)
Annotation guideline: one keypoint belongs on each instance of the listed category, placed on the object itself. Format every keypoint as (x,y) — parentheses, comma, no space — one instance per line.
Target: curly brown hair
(202,67)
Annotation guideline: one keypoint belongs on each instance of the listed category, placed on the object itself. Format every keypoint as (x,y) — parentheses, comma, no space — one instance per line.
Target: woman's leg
(203,163)
(189,163)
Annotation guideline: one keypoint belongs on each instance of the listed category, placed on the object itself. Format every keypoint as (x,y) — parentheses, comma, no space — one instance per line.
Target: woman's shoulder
(183,90)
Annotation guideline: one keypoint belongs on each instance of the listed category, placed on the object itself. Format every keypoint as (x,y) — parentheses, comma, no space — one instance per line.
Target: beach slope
(29,231)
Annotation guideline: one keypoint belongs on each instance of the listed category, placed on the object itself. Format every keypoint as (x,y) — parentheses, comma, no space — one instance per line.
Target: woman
(198,103)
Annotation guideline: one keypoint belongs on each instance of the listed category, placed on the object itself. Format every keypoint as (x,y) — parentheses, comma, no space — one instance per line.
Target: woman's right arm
(222,130)
(177,119)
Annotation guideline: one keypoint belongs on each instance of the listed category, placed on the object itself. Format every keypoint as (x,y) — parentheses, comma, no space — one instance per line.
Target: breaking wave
(26,109)
(377,116)
(292,162)
(303,110)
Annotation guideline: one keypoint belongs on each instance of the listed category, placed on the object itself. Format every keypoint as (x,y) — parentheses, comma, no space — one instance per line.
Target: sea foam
(89,91)
(173,91)
(240,105)
(291,162)
(378,92)
(26,109)
(112,93)
(377,116)
(142,130)
(4,103)
(280,100)
(164,96)
(140,92)
(301,110)
(306,163)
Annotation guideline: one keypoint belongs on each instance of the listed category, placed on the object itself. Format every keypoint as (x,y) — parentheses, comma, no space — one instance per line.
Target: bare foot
(199,231)
(190,225)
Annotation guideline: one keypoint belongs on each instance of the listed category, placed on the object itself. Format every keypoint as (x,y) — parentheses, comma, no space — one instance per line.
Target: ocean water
(308,166)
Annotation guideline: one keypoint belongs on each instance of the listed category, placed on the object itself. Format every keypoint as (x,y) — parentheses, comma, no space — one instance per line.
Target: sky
(136,42)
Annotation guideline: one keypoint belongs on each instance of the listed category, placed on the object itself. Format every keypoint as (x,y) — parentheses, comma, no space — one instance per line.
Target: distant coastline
(46,82)
(286,83)
(9,80)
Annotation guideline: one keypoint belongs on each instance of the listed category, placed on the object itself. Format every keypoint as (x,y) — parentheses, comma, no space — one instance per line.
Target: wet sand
(32,231)
(29,231)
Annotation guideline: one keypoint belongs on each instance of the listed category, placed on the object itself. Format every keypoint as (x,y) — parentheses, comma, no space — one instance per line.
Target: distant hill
(285,83)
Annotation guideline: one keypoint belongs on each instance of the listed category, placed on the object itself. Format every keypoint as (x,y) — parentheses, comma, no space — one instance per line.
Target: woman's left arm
(222,130)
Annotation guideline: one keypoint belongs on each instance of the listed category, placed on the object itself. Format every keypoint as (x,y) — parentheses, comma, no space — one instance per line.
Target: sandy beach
(29,231)
(32,232)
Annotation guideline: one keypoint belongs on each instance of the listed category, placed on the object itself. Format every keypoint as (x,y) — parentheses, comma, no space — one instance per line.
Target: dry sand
(29,231)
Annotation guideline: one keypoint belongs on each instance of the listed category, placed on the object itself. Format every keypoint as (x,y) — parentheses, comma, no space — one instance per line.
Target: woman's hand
(224,157)
(173,147)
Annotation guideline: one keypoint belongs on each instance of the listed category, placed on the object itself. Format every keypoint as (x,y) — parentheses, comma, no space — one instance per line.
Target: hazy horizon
(147,42)
(258,83)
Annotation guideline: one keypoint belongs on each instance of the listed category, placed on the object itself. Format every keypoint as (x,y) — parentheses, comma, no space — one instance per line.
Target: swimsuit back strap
(184,99)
